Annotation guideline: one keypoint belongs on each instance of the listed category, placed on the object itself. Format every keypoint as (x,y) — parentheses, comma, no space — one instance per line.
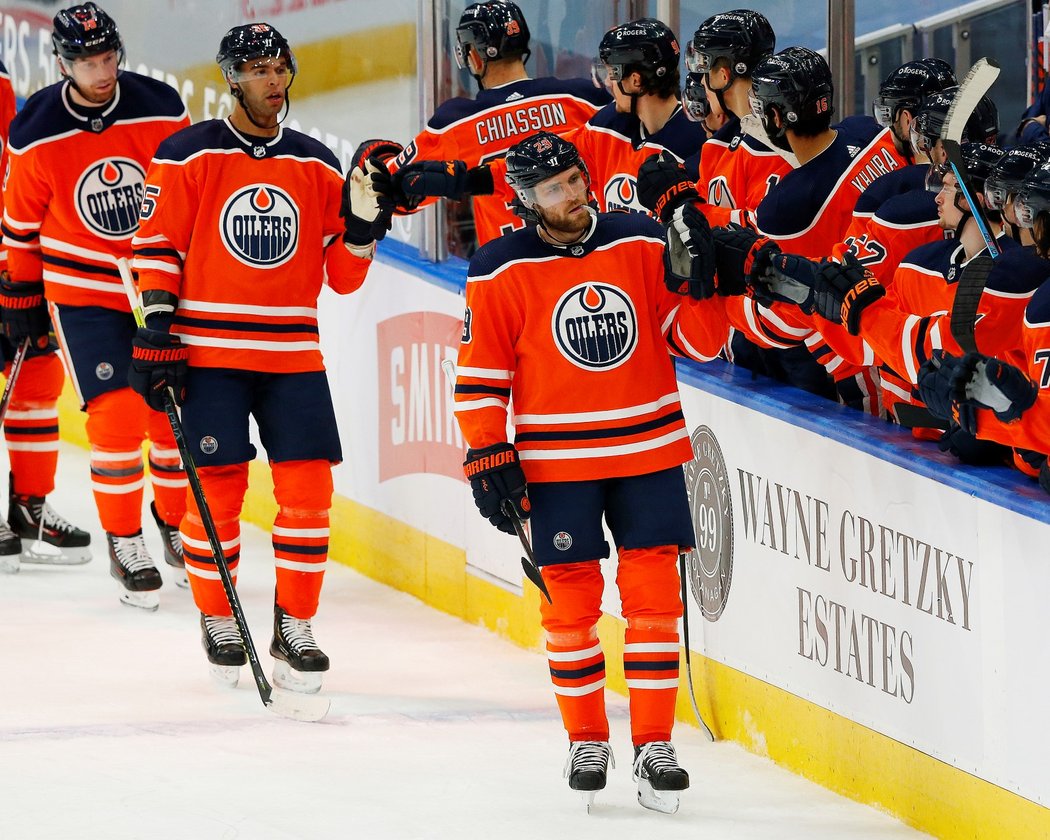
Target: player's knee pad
(39,383)
(650,588)
(116,420)
(302,486)
(576,597)
(224,488)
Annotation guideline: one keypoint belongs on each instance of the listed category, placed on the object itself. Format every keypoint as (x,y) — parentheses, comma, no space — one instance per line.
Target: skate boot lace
(47,516)
(222,629)
(588,756)
(298,634)
(131,553)
(654,758)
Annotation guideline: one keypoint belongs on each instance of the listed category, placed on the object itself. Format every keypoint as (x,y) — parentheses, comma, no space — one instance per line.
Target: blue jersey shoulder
(43,115)
(891,184)
(933,256)
(916,207)
(680,135)
(1038,309)
(460,108)
(1019,270)
(143,96)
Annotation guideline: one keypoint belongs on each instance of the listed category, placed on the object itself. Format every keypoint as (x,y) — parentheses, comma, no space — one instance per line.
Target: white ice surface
(110,727)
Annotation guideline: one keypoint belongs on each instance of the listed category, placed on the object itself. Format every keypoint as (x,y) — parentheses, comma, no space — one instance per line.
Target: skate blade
(45,554)
(181,580)
(664,801)
(588,798)
(309,708)
(9,564)
(149,601)
(226,676)
(301,682)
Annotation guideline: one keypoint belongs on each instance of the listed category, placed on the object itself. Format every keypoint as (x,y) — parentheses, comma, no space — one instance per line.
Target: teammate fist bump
(158,362)
(740,253)
(497,480)
(25,313)
(445,178)
(689,258)
(844,290)
(664,186)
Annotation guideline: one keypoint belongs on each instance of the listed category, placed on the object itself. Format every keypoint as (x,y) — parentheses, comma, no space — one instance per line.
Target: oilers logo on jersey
(595,326)
(260,226)
(621,194)
(108,197)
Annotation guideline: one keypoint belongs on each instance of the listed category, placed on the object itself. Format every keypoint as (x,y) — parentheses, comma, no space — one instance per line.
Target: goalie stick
(284,703)
(971,285)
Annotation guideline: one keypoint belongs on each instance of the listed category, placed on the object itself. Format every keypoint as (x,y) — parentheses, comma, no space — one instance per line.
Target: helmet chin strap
(633,97)
(238,94)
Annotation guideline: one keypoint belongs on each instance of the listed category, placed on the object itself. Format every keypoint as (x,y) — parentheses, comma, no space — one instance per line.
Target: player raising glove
(368,205)
(497,480)
(158,362)
(689,260)
(445,178)
(741,255)
(843,290)
(997,385)
(25,313)
(664,186)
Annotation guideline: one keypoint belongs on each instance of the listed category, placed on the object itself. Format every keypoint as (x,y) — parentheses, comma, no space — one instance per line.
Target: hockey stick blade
(968,293)
(688,656)
(528,563)
(918,417)
(308,708)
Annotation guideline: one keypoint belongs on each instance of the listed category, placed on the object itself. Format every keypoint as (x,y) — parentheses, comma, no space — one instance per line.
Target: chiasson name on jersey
(520,121)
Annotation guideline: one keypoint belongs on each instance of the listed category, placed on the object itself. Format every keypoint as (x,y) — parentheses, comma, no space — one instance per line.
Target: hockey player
(447,158)
(31,433)
(571,319)
(240,228)
(79,151)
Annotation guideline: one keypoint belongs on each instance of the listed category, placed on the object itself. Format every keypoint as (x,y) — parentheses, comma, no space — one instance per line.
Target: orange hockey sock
(165,468)
(649,589)
(303,490)
(31,425)
(116,427)
(224,488)
(577,664)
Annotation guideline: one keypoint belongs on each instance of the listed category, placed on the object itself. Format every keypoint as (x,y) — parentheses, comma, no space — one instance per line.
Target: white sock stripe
(651,647)
(574,655)
(580,690)
(168,482)
(305,533)
(99,455)
(653,684)
(118,489)
(300,566)
(204,545)
(32,414)
(33,446)
(157,454)
(205,574)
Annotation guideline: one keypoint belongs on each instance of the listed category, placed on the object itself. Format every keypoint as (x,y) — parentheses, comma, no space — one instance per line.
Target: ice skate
(586,768)
(10,549)
(173,556)
(222,642)
(131,565)
(660,779)
(55,540)
(298,662)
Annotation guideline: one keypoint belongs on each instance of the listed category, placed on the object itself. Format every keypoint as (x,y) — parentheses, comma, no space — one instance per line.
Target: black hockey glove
(24,312)
(158,361)
(366,212)
(689,257)
(445,178)
(941,387)
(496,477)
(1044,476)
(787,278)
(843,290)
(664,186)
(739,253)
(994,384)
(380,151)
(969,449)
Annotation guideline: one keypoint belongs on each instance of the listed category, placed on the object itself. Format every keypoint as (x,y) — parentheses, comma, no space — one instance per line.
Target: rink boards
(862,610)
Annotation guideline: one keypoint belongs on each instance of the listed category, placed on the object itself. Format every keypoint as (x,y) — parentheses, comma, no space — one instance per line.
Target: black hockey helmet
(904,88)
(1009,173)
(1034,196)
(646,46)
(983,124)
(796,84)
(85,30)
(252,40)
(496,29)
(926,128)
(979,159)
(742,37)
(694,98)
(534,160)
(942,70)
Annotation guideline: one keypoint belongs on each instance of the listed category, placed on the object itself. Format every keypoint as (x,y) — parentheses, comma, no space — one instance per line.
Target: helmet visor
(565,186)
(697,61)
(884,109)
(995,194)
(469,35)
(694,98)
(262,66)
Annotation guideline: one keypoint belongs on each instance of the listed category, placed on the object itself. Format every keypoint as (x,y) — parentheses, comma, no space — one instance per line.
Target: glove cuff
(483,461)
(479,180)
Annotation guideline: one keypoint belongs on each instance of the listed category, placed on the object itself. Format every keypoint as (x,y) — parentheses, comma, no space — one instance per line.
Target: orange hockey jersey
(7,113)
(480,130)
(75,183)
(243,231)
(575,342)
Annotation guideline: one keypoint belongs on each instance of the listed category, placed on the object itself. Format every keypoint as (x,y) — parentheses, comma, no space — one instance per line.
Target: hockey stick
(285,703)
(971,285)
(532,571)
(12,377)
(688,657)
